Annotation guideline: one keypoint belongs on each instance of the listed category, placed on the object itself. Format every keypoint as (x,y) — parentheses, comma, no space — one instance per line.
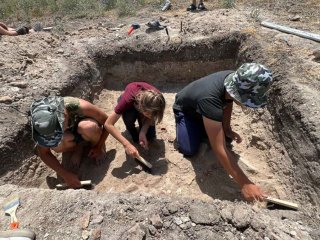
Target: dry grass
(24,10)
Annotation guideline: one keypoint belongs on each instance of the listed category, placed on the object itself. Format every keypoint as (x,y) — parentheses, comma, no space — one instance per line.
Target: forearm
(232,168)
(146,126)
(51,161)
(116,134)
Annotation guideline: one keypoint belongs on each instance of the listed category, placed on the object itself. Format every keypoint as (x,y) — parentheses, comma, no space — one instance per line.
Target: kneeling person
(204,107)
(61,124)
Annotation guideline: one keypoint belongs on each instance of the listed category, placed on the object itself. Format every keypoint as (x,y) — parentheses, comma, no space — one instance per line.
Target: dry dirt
(182,198)
(201,177)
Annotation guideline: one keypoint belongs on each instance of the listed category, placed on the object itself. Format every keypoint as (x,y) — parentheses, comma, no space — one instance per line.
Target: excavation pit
(199,177)
(279,149)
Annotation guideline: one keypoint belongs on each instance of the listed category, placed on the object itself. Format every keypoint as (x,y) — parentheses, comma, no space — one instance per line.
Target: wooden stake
(283,203)
(300,33)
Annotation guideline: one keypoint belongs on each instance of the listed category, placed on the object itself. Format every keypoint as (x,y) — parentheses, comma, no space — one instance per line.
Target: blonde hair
(151,102)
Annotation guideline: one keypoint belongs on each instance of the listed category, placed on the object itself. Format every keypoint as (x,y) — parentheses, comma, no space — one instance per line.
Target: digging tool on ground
(282,203)
(133,27)
(84,184)
(144,162)
(10,208)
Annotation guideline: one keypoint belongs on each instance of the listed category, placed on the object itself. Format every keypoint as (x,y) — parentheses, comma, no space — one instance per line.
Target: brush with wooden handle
(10,208)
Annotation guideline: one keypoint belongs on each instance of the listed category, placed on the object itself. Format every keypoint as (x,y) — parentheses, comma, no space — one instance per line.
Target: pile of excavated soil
(85,214)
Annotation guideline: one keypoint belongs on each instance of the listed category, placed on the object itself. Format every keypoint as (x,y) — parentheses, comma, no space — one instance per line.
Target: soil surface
(181,198)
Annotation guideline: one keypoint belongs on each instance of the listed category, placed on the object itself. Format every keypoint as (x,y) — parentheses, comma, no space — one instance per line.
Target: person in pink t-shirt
(139,101)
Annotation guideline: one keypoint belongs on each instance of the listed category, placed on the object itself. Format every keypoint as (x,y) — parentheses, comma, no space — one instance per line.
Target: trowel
(84,184)
(274,203)
(144,162)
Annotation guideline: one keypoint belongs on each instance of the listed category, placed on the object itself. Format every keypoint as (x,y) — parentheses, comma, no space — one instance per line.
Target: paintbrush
(10,208)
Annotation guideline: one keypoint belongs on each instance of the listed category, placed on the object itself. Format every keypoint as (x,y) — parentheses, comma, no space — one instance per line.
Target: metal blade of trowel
(144,162)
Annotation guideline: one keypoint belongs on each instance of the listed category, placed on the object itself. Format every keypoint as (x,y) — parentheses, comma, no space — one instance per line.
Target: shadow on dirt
(155,156)
(88,169)
(211,177)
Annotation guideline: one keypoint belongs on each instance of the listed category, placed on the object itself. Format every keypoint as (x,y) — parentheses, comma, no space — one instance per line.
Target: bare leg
(67,144)
(90,130)
(3,26)
(194,2)
(6,32)
(77,155)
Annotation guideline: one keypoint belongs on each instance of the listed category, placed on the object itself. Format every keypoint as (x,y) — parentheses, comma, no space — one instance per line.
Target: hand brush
(10,208)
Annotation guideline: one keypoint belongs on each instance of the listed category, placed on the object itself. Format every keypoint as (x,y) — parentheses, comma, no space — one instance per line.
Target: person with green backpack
(65,124)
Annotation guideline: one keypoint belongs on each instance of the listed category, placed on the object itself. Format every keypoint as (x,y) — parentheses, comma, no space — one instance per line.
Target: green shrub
(125,8)
(81,8)
(27,9)
(228,3)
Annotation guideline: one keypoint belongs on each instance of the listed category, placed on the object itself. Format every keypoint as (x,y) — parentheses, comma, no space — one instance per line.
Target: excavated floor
(200,177)
(173,175)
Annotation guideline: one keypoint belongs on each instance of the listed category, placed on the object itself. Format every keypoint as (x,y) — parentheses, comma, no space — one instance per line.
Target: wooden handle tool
(283,203)
(144,162)
(85,183)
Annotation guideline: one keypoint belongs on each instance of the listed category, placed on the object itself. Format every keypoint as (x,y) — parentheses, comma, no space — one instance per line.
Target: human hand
(131,150)
(143,140)
(233,135)
(72,180)
(252,192)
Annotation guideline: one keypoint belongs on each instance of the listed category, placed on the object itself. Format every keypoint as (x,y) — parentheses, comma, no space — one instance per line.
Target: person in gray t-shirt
(204,107)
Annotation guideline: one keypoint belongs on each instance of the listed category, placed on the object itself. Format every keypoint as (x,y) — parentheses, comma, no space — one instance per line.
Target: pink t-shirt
(128,97)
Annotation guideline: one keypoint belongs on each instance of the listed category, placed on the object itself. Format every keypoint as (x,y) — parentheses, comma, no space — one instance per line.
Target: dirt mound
(85,214)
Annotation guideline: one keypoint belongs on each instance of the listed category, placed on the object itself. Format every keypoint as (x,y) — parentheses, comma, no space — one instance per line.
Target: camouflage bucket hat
(47,118)
(249,84)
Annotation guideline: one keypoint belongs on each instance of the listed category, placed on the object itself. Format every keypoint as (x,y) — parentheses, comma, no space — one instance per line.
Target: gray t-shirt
(203,97)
